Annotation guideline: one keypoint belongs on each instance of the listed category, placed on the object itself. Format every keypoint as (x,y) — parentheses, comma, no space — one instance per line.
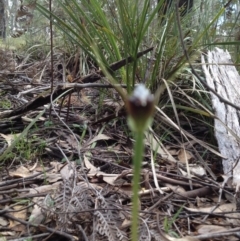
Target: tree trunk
(2,20)
(222,76)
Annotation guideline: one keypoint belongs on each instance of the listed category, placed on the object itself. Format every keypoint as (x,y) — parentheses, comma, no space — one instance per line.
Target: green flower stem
(137,163)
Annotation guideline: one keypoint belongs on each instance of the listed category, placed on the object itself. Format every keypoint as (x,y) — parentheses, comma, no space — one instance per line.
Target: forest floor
(66,167)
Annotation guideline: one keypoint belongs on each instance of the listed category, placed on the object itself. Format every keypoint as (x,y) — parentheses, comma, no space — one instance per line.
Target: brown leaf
(21,172)
(184,156)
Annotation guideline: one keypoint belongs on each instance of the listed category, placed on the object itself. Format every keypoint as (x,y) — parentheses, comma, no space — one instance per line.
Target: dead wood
(222,76)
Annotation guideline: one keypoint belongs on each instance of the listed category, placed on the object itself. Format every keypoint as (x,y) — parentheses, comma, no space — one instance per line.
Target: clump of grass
(29,148)
(168,223)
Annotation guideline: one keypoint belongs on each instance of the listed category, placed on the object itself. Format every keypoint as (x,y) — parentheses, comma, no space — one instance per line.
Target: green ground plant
(27,148)
(168,223)
(5,103)
(8,152)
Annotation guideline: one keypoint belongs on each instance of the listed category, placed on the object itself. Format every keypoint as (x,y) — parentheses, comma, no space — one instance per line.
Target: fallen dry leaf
(68,170)
(93,171)
(57,166)
(200,171)
(184,156)
(37,216)
(45,188)
(20,212)
(202,229)
(21,172)
(227,207)
(3,222)
(99,137)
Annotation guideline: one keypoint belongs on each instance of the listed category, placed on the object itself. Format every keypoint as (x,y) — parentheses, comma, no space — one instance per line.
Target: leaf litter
(75,182)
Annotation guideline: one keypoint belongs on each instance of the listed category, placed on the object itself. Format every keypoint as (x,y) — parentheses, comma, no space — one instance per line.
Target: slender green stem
(137,163)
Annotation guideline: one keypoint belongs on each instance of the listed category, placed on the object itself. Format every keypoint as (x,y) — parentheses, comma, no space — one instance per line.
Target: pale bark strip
(222,75)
